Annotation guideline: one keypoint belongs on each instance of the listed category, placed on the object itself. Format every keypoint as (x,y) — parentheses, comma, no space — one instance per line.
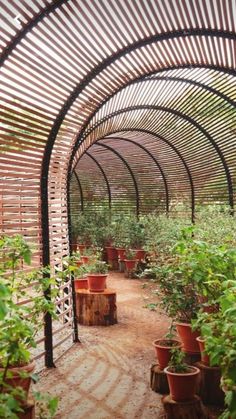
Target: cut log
(192,409)
(158,380)
(121,266)
(209,388)
(29,410)
(96,308)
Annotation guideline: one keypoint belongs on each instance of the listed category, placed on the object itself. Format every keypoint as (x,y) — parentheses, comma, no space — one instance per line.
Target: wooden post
(96,308)
(192,409)
(209,386)
(158,380)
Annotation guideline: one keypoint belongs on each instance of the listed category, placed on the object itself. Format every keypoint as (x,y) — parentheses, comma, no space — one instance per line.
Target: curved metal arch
(104,176)
(173,148)
(30,25)
(155,161)
(72,97)
(191,121)
(129,169)
(80,190)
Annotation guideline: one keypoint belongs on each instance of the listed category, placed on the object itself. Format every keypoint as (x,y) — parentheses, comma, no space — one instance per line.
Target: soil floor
(107,375)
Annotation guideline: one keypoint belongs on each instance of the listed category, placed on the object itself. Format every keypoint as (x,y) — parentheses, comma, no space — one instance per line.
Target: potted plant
(130,260)
(163,348)
(81,280)
(182,378)
(19,323)
(97,276)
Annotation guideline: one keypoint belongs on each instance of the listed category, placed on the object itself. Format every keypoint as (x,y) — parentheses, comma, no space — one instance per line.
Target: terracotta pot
(81,283)
(188,338)
(204,357)
(163,349)
(140,254)
(79,263)
(97,282)
(81,247)
(74,247)
(208,308)
(130,264)
(121,254)
(182,386)
(111,253)
(16,379)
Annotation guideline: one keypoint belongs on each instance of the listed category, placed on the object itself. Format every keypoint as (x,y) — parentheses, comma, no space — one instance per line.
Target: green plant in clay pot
(219,333)
(164,345)
(20,323)
(182,378)
(97,276)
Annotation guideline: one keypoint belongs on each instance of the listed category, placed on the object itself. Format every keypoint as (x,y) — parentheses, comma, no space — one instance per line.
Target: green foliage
(19,323)
(130,254)
(98,267)
(46,405)
(176,362)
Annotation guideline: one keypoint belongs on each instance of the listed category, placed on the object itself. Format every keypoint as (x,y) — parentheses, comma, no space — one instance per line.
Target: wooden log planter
(209,386)
(192,409)
(158,380)
(96,309)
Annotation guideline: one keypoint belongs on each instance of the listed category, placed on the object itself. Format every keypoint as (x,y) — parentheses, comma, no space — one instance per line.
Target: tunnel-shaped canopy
(144,86)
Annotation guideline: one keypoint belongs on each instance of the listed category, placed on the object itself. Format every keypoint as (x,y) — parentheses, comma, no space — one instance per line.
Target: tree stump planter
(209,386)
(158,380)
(96,309)
(192,409)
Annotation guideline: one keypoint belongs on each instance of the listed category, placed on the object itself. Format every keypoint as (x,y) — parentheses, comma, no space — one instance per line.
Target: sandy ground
(107,374)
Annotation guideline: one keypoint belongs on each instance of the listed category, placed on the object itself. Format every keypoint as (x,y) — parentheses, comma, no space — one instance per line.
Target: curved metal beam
(80,190)
(155,161)
(129,169)
(173,148)
(28,26)
(188,119)
(104,176)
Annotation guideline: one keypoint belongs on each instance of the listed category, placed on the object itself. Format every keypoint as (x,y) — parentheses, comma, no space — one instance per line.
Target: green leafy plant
(177,363)
(19,323)
(130,254)
(98,267)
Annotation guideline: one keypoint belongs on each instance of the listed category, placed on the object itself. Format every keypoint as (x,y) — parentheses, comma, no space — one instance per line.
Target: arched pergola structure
(149,82)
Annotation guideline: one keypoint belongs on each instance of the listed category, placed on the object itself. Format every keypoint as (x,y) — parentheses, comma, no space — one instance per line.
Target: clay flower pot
(97,282)
(130,264)
(121,254)
(79,263)
(140,254)
(17,379)
(74,247)
(188,338)
(81,283)
(182,386)
(111,253)
(163,349)
(81,247)
(204,357)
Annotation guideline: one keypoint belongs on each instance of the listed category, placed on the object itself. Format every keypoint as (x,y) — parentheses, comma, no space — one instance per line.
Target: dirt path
(107,375)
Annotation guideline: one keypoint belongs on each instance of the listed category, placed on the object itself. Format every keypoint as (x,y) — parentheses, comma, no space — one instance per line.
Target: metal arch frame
(188,119)
(146,78)
(30,25)
(57,124)
(155,161)
(104,176)
(173,148)
(129,169)
(80,189)
(75,93)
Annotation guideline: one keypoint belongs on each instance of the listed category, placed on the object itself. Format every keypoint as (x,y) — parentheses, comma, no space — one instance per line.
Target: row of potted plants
(198,284)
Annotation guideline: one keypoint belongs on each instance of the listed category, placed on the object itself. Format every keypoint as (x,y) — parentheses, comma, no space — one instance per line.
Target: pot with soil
(163,348)
(182,378)
(188,337)
(97,276)
(204,356)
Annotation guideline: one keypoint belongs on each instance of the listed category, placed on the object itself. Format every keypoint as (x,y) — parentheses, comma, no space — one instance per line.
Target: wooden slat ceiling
(159,73)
